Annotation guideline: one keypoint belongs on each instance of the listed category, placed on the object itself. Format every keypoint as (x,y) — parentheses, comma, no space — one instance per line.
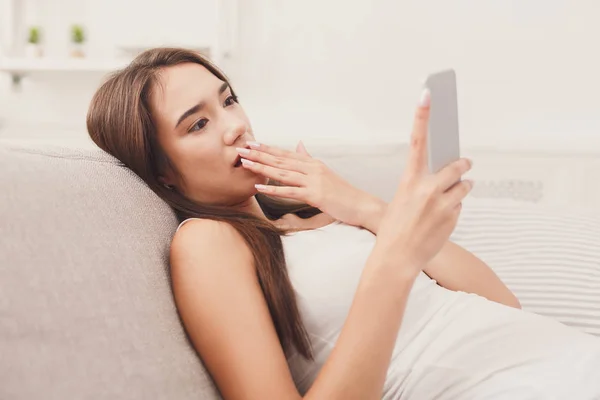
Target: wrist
(391,264)
(371,212)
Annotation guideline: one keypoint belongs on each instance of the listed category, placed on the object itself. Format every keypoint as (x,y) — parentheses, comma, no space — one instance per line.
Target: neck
(251,206)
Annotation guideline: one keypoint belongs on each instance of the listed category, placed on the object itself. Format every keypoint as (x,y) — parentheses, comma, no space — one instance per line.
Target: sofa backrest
(86,309)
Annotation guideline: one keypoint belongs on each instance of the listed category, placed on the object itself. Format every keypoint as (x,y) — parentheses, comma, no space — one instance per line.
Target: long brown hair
(120,122)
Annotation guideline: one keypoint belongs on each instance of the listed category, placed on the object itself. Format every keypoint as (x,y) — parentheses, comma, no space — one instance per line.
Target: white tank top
(451,345)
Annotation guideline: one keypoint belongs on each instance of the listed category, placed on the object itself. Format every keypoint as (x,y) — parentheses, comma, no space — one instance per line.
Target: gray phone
(442,141)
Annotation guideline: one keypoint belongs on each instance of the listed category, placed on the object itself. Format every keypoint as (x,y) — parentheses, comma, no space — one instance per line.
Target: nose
(233,131)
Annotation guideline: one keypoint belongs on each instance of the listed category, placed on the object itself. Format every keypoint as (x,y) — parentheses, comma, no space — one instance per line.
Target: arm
(453,267)
(225,314)
(457,269)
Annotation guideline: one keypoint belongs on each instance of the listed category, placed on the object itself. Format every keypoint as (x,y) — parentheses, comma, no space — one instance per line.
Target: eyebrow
(198,106)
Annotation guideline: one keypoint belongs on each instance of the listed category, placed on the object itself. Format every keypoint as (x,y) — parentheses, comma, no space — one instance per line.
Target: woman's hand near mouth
(309,180)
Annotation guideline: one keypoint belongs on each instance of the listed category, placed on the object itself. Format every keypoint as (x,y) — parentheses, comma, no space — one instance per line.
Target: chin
(255,178)
(246,179)
(250,181)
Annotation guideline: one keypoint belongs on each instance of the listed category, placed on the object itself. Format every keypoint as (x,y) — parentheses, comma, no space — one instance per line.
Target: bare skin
(214,281)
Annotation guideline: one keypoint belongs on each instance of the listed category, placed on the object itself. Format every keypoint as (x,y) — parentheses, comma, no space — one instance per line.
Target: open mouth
(238,159)
(238,162)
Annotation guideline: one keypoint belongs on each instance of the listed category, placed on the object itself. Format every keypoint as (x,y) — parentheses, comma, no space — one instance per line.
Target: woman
(369,300)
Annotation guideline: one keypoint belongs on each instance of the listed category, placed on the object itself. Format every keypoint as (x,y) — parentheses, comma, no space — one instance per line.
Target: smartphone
(442,139)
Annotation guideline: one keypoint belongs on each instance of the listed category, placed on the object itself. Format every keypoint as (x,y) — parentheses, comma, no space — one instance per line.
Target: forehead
(181,87)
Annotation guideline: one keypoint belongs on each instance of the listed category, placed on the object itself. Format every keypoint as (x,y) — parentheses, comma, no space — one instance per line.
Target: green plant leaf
(77,34)
(34,35)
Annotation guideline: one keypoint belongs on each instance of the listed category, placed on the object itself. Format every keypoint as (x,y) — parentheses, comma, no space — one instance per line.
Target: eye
(230,100)
(199,125)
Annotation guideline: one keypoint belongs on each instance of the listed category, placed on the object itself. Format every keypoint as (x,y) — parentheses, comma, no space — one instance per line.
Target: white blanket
(477,349)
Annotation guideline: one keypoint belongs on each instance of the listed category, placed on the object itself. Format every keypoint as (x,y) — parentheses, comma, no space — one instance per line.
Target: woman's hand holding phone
(426,206)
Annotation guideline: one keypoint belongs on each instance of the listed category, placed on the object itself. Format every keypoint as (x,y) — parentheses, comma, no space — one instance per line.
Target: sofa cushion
(86,309)
(548,257)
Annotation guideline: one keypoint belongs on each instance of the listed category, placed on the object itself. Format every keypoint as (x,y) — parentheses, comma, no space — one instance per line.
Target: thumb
(417,157)
(301,149)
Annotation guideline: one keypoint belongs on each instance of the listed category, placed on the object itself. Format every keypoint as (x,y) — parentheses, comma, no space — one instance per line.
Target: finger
(452,173)
(284,176)
(287,192)
(417,158)
(277,161)
(277,151)
(457,193)
(301,149)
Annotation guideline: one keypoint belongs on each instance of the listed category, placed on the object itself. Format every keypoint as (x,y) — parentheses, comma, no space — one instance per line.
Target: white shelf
(22,66)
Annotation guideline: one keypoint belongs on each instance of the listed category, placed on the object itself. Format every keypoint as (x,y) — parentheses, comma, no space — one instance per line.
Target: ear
(166,181)
(301,149)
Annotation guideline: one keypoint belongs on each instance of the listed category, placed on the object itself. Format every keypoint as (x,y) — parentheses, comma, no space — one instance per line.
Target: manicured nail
(258,186)
(242,150)
(254,145)
(247,163)
(425,98)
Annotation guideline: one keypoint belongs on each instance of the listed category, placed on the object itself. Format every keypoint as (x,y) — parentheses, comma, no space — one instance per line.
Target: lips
(238,160)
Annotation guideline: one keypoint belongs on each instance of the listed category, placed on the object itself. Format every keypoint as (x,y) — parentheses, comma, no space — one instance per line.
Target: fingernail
(254,145)
(425,98)
(242,150)
(247,162)
(258,186)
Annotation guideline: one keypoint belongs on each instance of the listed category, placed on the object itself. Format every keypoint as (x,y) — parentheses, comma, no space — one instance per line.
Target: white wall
(526,69)
(351,71)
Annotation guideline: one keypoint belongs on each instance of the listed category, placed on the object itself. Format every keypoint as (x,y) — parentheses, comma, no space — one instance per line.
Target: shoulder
(196,228)
(207,240)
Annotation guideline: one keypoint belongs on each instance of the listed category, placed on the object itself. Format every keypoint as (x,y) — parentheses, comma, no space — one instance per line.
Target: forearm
(454,267)
(458,269)
(358,364)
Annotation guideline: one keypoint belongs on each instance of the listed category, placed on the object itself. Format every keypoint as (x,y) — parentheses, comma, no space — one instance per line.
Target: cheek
(203,163)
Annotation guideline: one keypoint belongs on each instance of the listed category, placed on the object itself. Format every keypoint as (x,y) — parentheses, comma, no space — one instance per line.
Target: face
(199,125)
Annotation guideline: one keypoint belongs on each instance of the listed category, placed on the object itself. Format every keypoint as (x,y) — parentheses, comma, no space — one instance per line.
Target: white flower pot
(77,50)
(33,50)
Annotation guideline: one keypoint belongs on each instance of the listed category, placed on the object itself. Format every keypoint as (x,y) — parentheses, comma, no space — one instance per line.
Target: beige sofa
(86,310)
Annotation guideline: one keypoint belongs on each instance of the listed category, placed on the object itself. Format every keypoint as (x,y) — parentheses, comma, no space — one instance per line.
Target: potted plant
(34,46)
(77,41)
